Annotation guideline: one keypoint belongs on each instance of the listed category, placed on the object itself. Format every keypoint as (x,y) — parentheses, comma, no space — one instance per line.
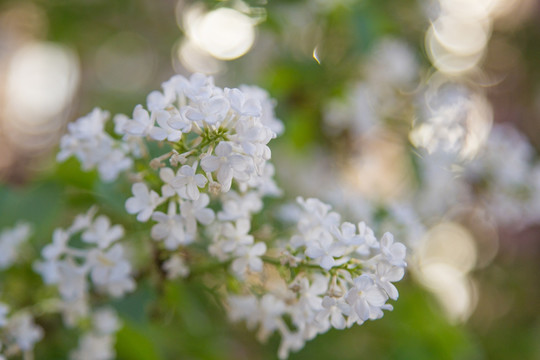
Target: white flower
(227,164)
(325,250)
(368,239)
(386,274)
(187,182)
(165,131)
(142,122)
(106,321)
(334,311)
(236,236)
(268,117)
(309,300)
(176,267)
(180,121)
(393,252)
(265,184)
(170,228)
(94,347)
(270,310)
(211,111)
(111,271)
(290,341)
(366,298)
(347,234)
(83,221)
(71,280)
(249,257)
(143,203)
(243,308)
(199,87)
(22,329)
(101,232)
(316,215)
(197,210)
(58,247)
(93,147)
(74,310)
(236,206)
(244,106)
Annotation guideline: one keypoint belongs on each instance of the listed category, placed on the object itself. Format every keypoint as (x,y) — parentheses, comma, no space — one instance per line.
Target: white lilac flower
(142,123)
(211,111)
(165,131)
(143,203)
(227,163)
(268,117)
(93,147)
(193,211)
(180,122)
(48,271)
(347,235)
(265,183)
(334,311)
(170,228)
(235,236)
(157,100)
(10,240)
(113,163)
(94,347)
(325,250)
(176,267)
(394,252)
(74,310)
(198,88)
(166,174)
(187,182)
(252,137)
(237,206)
(290,341)
(366,298)
(83,221)
(386,274)
(309,301)
(316,215)
(105,321)
(244,106)
(249,257)
(270,310)
(58,247)
(22,329)
(243,308)
(368,239)
(111,271)
(71,281)
(101,232)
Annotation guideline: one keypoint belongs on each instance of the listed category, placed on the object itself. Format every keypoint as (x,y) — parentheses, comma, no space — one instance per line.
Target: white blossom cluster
(345,277)
(99,262)
(196,195)
(219,139)
(94,148)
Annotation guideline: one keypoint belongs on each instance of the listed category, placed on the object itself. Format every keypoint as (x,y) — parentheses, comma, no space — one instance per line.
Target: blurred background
(420,117)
